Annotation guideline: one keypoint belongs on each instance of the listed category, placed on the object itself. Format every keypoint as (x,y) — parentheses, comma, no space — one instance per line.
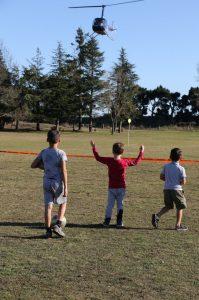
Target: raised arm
(134,162)
(103,160)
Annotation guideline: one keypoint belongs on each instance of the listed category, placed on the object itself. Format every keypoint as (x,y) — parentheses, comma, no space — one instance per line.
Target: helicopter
(100,25)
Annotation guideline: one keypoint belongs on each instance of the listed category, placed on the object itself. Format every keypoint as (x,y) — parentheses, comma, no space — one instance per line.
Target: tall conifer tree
(57,104)
(93,77)
(7,93)
(33,83)
(123,85)
(77,80)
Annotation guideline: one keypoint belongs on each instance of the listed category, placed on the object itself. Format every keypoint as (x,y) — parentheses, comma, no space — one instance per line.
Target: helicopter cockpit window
(105,23)
(100,22)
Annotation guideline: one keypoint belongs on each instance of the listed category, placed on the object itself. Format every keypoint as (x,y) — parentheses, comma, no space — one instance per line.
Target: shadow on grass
(100,226)
(39,225)
(33,237)
(34,225)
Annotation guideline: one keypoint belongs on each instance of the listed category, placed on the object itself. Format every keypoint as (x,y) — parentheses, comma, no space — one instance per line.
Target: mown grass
(157,143)
(91,262)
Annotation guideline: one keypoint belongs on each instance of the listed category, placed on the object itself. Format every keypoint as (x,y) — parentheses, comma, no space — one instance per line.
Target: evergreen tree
(162,115)
(21,110)
(57,98)
(6,91)
(108,101)
(142,101)
(123,90)
(33,86)
(158,106)
(194,101)
(93,77)
(77,78)
(184,114)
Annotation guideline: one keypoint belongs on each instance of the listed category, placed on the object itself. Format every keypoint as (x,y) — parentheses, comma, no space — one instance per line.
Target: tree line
(77,89)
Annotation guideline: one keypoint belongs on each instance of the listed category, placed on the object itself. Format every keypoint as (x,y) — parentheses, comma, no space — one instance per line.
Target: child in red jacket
(117,178)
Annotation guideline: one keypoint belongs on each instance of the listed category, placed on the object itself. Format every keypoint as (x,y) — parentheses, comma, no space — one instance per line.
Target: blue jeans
(114,194)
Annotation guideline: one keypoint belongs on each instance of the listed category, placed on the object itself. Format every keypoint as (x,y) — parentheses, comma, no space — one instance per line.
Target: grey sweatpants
(114,194)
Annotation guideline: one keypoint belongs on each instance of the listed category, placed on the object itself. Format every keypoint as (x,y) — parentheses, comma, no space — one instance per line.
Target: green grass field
(92,262)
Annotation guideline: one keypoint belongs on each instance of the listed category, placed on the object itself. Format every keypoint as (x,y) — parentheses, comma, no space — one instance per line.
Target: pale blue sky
(160,37)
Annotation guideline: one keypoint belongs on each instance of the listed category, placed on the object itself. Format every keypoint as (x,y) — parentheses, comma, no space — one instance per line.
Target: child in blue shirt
(53,161)
(174,176)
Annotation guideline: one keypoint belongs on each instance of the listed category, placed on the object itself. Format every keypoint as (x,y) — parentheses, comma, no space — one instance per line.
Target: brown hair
(118,148)
(175,154)
(53,136)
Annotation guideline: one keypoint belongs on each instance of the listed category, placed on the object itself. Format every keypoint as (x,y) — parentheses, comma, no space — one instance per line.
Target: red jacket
(117,168)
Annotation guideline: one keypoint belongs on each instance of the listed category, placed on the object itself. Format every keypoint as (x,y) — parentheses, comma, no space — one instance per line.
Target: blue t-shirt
(173,173)
(52,159)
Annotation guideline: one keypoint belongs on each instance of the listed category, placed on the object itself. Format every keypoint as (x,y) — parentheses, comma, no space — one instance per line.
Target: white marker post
(129,121)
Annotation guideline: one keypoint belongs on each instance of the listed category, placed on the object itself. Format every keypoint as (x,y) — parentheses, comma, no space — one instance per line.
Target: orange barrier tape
(192,161)
(18,152)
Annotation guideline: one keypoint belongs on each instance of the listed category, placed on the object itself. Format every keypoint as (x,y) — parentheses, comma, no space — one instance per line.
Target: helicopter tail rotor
(112,27)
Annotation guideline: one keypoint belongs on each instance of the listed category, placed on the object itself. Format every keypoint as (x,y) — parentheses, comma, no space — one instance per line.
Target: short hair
(175,154)
(53,136)
(118,148)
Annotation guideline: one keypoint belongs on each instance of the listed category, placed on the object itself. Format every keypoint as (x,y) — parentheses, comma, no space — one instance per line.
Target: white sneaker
(58,231)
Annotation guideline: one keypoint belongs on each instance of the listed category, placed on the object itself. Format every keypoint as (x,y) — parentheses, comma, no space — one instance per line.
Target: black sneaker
(48,233)
(106,222)
(181,228)
(119,224)
(119,219)
(155,220)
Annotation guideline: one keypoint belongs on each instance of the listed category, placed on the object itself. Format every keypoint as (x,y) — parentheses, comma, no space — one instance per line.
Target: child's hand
(142,148)
(92,144)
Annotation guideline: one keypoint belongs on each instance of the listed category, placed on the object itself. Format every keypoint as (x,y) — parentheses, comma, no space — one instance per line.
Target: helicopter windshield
(101,22)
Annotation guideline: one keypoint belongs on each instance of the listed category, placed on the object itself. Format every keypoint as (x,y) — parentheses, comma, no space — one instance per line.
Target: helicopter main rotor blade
(104,5)
(126,2)
(86,6)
